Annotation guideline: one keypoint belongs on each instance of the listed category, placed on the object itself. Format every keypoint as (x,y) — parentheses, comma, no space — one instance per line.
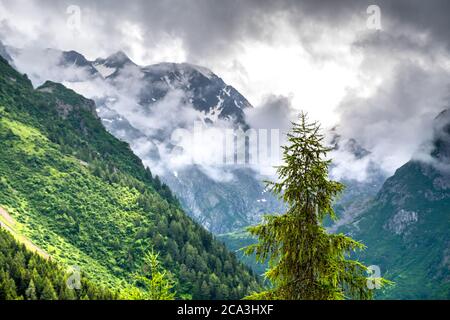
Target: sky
(379,70)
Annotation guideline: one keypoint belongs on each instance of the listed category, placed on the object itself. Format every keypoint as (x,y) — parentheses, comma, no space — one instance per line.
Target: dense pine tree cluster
(25,275)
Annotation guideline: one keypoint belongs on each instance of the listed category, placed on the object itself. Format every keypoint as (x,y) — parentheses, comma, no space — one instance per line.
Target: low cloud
(150,129)
(383,88)
(405,83)
(276,112)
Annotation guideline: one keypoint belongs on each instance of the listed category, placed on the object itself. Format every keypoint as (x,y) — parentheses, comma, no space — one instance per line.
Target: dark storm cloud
(396,119)
(422,16)
(409,56)
(205,27)
(275,112)
(215,27)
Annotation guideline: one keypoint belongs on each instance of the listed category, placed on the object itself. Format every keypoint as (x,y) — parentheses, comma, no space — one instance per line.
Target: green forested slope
(237,242)
(27,276)
(407,232)
(83,196)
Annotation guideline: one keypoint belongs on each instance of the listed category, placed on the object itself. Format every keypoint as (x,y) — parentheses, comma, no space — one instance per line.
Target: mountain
(145,105)
(203,89)
(75,59)
(406,227)
(358,193)
(221,205)
(81,196)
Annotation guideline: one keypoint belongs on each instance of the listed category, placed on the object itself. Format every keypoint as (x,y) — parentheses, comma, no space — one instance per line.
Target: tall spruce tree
(306,262)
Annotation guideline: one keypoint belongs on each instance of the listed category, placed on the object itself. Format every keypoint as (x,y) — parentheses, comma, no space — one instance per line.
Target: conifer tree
(30,293)
(306,262)
(7,287)
(156,283)
(48,292)
(205,290)
(65,293)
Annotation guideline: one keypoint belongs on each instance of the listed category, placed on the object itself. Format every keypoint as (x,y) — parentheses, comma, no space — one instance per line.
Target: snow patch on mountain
(104,71)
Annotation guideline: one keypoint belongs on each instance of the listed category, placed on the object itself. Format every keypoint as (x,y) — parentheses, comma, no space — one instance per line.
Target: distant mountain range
(204,90)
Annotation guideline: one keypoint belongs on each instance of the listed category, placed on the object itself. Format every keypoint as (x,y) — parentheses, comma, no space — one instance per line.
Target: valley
(95,162)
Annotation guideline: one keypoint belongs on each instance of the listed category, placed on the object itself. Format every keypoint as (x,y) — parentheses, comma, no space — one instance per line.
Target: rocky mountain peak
(118,59)
(110,66)
(67,100)
(441,136)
